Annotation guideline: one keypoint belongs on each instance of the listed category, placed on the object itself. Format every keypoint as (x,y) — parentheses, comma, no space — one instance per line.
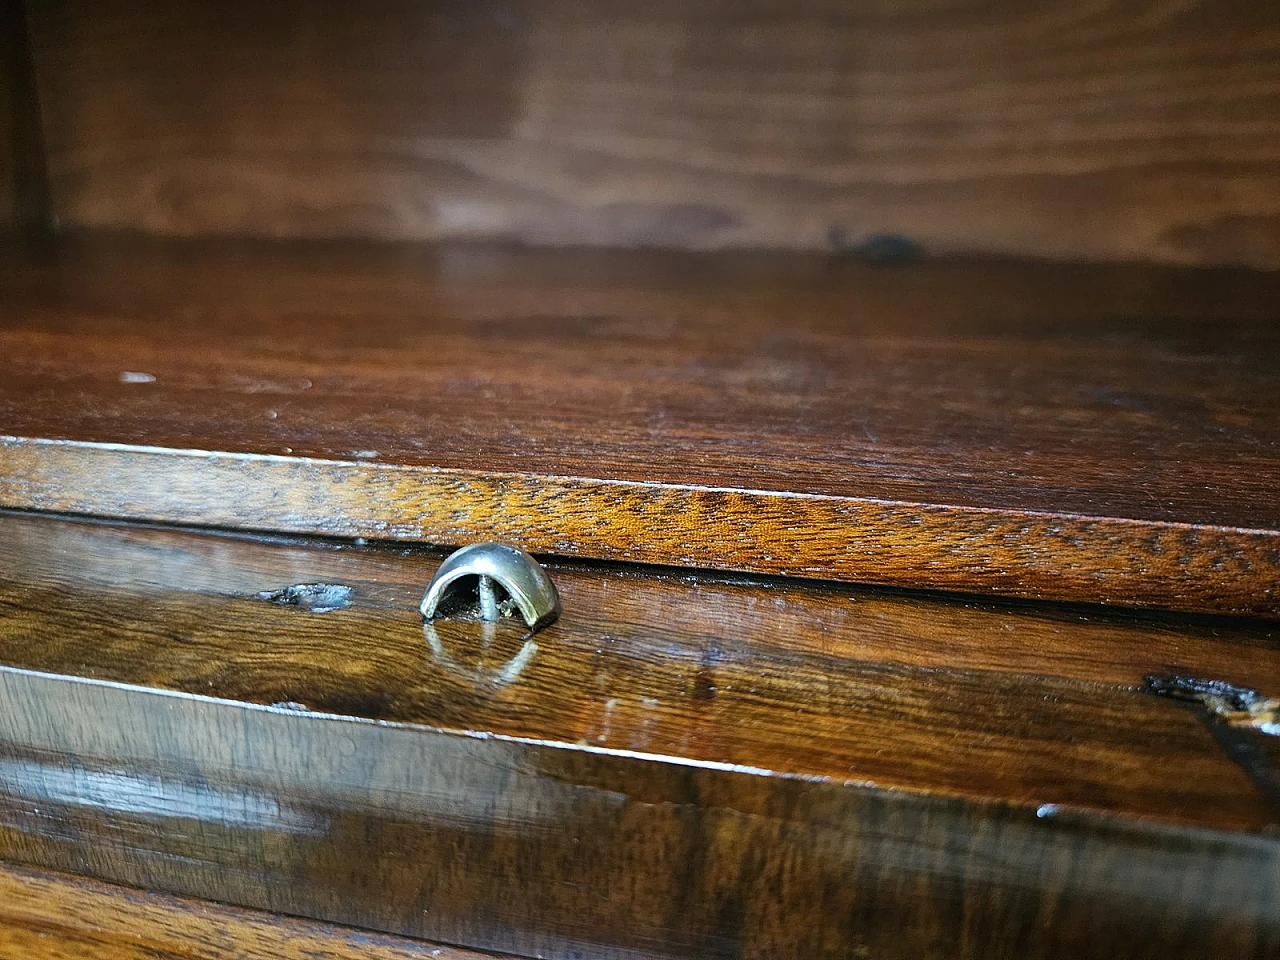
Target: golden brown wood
(1139,130)
(52,916)
(1041,431)
(682,767)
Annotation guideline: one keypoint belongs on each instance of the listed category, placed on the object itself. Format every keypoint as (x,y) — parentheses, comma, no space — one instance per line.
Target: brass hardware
(527,586)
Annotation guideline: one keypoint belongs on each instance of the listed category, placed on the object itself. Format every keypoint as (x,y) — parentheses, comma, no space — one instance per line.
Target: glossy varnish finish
(52,916)
(1097,434)
(1139,130)
(802,680)
(677,767)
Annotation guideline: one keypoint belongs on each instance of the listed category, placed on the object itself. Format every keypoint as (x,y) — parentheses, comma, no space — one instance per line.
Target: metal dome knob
(526,584)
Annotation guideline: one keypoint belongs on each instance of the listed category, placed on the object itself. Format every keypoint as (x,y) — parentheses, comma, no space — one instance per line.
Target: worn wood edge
(23,674)
(1027,554)
(125,692)
(48,915)
(146,728)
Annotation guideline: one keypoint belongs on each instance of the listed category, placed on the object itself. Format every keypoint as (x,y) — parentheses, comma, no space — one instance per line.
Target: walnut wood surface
(1148,129)
(52,916)
(11,28)
(24,196)
(1097,434)
(797,679)
(681,766)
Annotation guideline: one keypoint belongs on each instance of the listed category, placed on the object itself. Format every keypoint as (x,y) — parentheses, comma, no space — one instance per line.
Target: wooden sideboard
(891,392)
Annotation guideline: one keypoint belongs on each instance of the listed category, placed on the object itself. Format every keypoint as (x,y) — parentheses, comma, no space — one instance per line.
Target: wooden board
(24,200)
(9,68)
(1140,130)
(791,678)
(1095,434)
(52,916)
(678,767)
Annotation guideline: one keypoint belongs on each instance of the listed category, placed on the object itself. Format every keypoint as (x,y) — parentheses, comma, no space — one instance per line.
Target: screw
(488,601)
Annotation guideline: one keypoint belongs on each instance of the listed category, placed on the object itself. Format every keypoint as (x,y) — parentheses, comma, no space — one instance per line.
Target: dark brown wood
(538,849)
(792,678)
(680,766)
(7,146)
(24,199)
(1141,130)
(1111,648)
(52,916)
(11,28)
(1096,434)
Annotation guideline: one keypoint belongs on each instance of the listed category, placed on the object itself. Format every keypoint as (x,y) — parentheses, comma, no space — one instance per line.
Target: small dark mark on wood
(877,248)
(311,597)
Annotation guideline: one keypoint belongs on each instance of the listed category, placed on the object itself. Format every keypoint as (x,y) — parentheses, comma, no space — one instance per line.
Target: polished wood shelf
(682,765)
(1103,434)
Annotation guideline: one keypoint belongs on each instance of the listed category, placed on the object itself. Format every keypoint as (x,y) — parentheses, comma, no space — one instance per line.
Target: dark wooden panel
(52,916)
(678,767)
(10,20)
(24,200)
(90,560)
(538,849)
(1093,434)
(1137,130)
(807,681)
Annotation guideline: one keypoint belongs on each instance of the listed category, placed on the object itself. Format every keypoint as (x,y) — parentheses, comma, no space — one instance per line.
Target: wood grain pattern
(681,767)
(1092,434)
(1112,648)
(1145,129)
(52,916)
(801,680)
(541,850)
